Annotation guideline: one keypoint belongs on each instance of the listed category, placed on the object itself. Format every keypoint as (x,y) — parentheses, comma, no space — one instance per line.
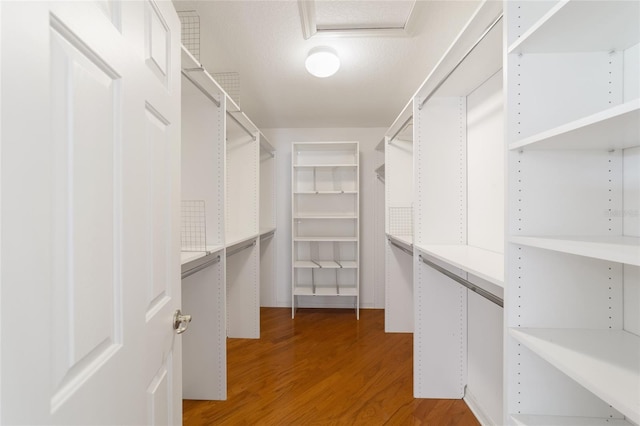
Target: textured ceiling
(263,42)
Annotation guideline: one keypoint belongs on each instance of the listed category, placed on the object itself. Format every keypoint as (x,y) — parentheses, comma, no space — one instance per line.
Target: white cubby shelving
(398,178)
(267,223)
(573,229)
(458,231)
(325,221)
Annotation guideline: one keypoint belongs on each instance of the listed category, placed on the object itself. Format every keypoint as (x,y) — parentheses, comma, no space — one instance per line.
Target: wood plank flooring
(323,368)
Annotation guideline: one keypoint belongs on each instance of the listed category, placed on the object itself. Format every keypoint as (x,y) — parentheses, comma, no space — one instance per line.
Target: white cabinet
(458,237)
(325,221)
(573,246)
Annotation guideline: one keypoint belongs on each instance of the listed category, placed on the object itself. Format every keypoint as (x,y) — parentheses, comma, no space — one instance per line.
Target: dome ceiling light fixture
(322,62)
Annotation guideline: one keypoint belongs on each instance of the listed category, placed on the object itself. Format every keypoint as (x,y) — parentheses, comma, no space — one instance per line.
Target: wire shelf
(193,236)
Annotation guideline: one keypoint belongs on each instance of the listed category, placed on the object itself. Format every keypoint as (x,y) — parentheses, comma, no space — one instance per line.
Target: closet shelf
(319,216)
(267,230)
(405,241)
(329,239)
(190,256)
(620,249)
(239,240)
(325,291)
(482,263)
(613,128)
(323,192)
(305,264)
(582,26)
(318,166)
(605,362)
(534,420)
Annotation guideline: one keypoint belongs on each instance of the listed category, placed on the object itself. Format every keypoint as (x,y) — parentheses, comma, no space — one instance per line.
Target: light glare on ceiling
(322,62)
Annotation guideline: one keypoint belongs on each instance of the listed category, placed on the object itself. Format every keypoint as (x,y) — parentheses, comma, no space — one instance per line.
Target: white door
(90,276)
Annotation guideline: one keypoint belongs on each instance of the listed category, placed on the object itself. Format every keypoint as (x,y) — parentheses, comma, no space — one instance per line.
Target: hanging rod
(480,291)
(404,249)
(268,235)
(401,129)
(241,125)
(484,34)
(238,250)
(200,267)
(202,89)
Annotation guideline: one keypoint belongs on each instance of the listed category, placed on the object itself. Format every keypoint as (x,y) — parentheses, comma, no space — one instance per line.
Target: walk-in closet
(320,212)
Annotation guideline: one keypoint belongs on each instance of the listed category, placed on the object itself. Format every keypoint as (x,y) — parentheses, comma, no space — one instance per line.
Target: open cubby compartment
(325,205)
(459,148)
(242,191)
(202,157)
(325,228)
(316,254)
(574,336)
(267,184)
(326,282)
(321,179)
(333,153)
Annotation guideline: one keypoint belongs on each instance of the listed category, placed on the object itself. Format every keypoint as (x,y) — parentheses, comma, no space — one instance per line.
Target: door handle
(180,322)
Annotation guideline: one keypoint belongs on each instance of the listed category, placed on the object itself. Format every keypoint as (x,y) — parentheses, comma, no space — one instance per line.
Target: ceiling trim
(310,27)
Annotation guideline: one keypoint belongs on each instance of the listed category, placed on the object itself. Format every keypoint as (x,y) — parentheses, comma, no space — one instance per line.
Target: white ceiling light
(322,62)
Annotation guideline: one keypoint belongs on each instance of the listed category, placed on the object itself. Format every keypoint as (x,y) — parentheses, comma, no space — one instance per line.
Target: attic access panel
(355,17)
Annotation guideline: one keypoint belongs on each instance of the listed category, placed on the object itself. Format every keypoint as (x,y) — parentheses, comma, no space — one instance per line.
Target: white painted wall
(371,215)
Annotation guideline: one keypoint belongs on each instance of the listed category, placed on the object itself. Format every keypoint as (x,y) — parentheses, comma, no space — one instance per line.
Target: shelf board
(582,26)
(482,263)
(330,264)
(267,230)
(326,217)
(537,420)
(605,362)
(404,240)
(317,166)
(307,264)
(325,291)
(190,256)
(620,249)
(329,239)
(238,240)
(614,128)
(348,264)
(323,192)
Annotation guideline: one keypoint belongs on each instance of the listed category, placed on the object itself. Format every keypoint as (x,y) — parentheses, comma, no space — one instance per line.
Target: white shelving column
(398,310)
(573,246)
(204,347)
(325,223)
(242,234)
(267,223)
(459,221)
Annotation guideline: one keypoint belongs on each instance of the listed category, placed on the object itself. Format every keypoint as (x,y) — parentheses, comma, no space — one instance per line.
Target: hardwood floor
(323,368)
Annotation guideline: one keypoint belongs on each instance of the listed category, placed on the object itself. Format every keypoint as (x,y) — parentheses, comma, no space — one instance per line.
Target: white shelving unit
(325,221)
(204,347)
(573,246)
(458,236)
(222,171)
(398,163)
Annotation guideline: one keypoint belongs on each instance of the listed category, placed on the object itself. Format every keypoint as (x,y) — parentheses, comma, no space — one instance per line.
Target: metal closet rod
(404,126)
(247,131)
(238,250)
(480,291)
(404,249)
(200,267)
(484,34)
